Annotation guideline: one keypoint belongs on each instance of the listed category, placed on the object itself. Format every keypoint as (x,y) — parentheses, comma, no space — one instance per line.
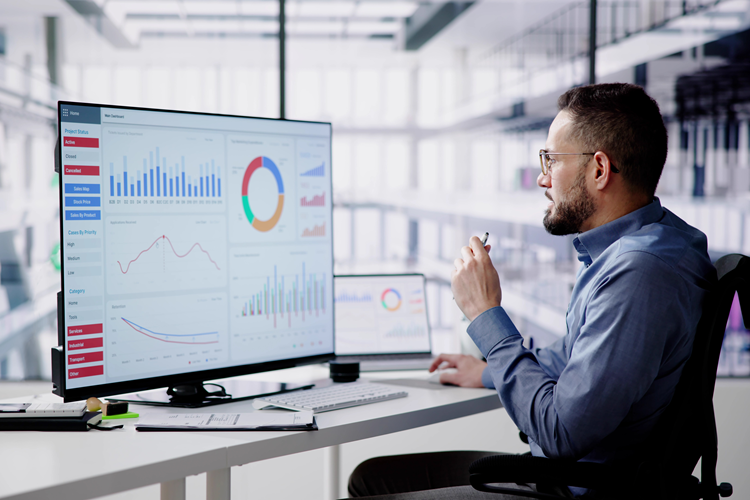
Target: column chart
(168,170)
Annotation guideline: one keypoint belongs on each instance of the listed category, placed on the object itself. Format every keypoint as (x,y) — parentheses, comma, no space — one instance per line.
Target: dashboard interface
(192,242)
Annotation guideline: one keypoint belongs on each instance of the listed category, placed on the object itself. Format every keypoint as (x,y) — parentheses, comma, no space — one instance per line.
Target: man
(596,393)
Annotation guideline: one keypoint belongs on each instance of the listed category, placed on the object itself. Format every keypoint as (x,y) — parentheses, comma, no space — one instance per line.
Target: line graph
(164,237)
(173,338)
(165,253)
(165,332)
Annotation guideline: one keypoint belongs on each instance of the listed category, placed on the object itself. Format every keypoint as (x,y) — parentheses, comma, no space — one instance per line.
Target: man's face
(571,204)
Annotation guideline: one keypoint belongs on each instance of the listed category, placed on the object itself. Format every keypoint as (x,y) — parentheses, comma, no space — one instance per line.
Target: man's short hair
(621,120)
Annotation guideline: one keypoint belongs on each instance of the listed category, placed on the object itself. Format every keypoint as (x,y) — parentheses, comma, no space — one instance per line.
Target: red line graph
(140,329)
(165,237)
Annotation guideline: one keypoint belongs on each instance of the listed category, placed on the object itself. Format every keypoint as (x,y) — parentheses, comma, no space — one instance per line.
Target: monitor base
(197,395)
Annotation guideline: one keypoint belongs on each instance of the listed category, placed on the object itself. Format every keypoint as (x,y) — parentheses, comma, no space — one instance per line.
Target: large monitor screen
(191,243)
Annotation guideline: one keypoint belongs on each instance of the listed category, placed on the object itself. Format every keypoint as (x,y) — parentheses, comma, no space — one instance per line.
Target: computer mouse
(434,377)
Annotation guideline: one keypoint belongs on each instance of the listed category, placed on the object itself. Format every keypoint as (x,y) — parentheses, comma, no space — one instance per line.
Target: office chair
(685,433)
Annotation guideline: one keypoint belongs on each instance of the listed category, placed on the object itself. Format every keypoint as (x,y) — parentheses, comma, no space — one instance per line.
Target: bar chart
(170,170)
(159,179)
(314,232)
(279,298)
(316,201)
(319,171)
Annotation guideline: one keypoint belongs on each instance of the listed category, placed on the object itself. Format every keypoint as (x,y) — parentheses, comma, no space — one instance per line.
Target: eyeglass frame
(545,169)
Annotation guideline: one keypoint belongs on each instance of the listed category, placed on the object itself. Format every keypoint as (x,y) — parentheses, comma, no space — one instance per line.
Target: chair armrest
(543,471)
(626,481)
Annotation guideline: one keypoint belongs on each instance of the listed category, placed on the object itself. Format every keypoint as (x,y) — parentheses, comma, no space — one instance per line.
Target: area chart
(319,171)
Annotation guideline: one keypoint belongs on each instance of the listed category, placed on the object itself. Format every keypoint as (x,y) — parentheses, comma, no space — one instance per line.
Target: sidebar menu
(83,252)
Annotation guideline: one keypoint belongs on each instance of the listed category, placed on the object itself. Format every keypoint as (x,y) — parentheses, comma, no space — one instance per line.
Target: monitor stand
(200,394)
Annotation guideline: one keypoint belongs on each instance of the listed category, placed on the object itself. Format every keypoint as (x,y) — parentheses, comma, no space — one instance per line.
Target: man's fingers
(466,253)
(487,248)
(436,363)
(449,378)
(450,359)
(476,246)
(458,264)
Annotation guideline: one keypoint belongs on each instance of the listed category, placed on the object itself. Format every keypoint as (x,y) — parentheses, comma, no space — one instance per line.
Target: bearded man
(596,394)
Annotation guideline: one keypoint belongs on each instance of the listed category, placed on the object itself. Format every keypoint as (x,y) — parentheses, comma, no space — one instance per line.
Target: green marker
(129,414)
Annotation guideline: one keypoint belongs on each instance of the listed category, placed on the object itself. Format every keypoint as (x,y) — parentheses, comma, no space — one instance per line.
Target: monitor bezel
(143,384)
(385,275)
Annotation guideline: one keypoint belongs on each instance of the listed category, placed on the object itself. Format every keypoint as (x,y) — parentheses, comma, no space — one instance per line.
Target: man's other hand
(474,281)
(468,370)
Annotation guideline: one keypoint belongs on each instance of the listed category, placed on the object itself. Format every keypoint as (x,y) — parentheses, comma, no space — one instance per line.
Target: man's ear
(603,170)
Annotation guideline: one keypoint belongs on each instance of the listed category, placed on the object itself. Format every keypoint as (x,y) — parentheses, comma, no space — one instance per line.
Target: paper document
(256,421)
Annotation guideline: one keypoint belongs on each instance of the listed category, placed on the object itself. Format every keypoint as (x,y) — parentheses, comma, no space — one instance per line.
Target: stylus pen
(484,242)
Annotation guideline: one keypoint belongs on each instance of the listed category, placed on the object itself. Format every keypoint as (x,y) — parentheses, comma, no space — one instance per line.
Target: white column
(173,490)
(219,484)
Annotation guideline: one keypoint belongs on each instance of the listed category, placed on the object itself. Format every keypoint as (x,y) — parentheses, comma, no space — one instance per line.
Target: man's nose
(543,181)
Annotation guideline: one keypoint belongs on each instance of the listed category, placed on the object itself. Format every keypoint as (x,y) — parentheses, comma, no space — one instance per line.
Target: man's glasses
(547,162)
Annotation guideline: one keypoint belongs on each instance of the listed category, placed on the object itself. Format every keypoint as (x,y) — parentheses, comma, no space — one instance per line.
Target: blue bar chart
(161,177)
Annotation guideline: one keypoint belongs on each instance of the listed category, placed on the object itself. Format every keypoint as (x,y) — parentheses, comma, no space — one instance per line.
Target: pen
(483,239)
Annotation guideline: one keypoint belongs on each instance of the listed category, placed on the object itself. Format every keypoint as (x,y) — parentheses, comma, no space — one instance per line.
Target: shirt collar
(591,244)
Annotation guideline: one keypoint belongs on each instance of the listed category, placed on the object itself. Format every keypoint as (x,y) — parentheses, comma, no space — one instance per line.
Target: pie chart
(262,225)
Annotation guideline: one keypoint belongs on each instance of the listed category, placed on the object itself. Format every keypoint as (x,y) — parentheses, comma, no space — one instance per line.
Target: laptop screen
(381,314)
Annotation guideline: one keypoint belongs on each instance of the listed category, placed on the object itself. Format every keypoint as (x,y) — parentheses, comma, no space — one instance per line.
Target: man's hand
(468,370)
(474,281)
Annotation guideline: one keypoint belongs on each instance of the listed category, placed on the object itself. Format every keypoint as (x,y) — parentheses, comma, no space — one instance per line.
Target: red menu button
(86,357)
(85,344)
(81,170)
(81,142)
(88,371)
(85,329)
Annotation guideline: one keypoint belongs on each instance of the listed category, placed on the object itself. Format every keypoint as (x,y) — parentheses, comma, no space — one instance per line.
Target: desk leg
(333,463)
(219,484)
(173,490)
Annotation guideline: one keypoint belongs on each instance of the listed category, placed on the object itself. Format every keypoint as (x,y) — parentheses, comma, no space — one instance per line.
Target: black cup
(344,371)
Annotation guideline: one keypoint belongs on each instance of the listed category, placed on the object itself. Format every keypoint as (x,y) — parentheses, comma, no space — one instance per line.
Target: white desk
(83,465)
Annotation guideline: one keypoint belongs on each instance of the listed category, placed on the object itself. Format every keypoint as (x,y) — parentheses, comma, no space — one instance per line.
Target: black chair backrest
(686,431)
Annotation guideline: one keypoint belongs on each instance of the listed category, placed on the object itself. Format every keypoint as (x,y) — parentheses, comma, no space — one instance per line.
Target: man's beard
(572,211)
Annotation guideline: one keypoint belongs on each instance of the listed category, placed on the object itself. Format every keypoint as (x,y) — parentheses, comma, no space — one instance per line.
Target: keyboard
(333,397)
(40,409)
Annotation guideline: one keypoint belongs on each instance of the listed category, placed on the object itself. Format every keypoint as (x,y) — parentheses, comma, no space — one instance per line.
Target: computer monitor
(194,247)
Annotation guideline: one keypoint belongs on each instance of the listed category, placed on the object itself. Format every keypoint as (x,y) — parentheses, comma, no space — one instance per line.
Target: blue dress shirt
(597,393)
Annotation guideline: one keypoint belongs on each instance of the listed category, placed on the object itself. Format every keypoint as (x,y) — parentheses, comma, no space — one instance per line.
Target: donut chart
(262,225)
(392,307)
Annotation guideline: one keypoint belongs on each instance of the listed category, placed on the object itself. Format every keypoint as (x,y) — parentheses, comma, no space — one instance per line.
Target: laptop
(381,321)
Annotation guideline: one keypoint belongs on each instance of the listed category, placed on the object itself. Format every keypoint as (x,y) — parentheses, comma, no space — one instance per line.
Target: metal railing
(564,35)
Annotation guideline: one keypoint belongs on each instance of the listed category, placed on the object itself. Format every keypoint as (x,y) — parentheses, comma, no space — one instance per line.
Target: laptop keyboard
(333,397)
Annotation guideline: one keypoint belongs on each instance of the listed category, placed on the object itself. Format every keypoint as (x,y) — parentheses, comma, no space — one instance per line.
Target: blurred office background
(438,111)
